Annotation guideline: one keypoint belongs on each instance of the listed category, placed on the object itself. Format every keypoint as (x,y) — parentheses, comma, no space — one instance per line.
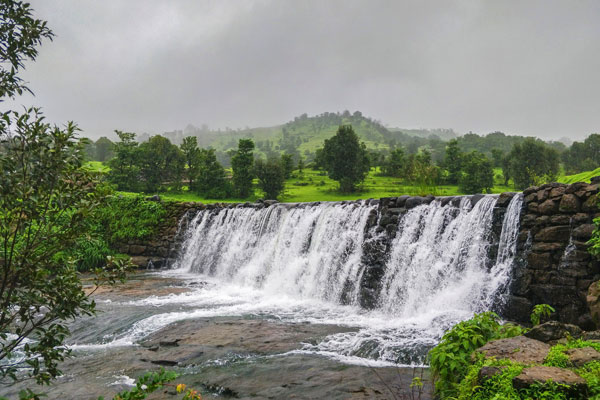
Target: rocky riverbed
(151,322)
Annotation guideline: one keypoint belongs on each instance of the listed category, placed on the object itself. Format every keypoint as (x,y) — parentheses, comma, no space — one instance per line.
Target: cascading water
(304,263)
(437,273)
(311,251)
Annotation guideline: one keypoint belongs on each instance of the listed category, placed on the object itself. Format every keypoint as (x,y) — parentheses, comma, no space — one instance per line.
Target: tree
(287,163)
(271,176)
(477,174)
(191,153)
(531,162)
(300,164)
(345,159)
(241,164)
(497,157)
(104,149)
(20,33)
(395,164)
(161,163)
(124,167)
(453,161)
(211,180)
(45,196)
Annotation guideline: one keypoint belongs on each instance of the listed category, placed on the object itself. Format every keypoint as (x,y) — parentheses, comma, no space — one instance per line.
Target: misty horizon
(522,68)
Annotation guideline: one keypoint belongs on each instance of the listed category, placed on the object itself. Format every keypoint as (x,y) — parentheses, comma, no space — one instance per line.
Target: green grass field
(312,185)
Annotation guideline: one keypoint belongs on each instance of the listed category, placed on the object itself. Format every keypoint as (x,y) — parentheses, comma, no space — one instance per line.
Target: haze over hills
(305,134)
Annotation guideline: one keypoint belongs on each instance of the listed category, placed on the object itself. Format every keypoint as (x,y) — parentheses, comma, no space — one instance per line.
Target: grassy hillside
(581,177)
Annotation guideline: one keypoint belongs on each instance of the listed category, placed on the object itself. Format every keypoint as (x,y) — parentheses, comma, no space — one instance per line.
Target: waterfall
(311,251)
(437,261)
(304,263)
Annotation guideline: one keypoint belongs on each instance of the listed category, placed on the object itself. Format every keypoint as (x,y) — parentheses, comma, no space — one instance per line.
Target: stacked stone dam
(552,264)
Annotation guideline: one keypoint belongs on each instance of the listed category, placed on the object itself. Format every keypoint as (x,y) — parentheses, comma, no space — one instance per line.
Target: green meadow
(313,185)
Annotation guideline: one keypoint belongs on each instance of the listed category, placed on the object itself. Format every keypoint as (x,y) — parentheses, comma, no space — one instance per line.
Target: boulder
(591,335)
(400,201)
(569,203)
(504,199)
(136,250)
(541,374)
(518,349)
(557,192)
(548,207)
(413,202)
(584,355)
(584,232)
(553,330)
(560,233)
(591,204)
(593,302)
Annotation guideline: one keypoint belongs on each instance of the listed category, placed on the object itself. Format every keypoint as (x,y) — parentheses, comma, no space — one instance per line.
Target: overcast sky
(522,67)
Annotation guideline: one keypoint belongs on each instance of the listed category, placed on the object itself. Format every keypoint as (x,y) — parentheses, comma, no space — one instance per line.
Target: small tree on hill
(477,174)
(124,166)
(104,149)
(532,162)
(211,181)
(191,153)
(453,161)
(346,159)
(271,177)
(287,163)
(241,164)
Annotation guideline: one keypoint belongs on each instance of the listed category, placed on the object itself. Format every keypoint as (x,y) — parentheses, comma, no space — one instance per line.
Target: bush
(450,359)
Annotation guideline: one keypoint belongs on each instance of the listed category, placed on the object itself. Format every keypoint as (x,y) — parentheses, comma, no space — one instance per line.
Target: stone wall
(554,266)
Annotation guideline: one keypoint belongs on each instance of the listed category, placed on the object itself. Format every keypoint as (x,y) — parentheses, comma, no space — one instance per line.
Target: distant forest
(304,135)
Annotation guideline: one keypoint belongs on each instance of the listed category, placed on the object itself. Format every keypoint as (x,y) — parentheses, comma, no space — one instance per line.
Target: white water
(303,264)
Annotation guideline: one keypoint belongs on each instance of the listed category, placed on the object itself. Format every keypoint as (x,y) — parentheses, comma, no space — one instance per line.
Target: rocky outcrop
(519,349)
(576,386)
(552,331)
(553,265)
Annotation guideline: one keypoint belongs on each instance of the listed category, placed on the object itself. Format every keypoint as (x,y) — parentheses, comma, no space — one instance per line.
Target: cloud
(150,66)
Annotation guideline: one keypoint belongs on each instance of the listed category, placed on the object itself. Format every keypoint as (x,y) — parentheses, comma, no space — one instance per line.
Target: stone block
(569,203)
(560,233)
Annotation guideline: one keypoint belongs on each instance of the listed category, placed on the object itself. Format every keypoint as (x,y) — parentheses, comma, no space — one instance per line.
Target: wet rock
(475,199)
(554,234)
(446,200)
(136,250)
(569,203)
(548,207)
(584,355)
(591,204)
(518,349)
(593,302)
(530,190)
(553,330)
(584,232)
(400,201)
(591,335)
(539,260)
(575,187)
(487,372)
(541,374)
(557,192)
(413,202)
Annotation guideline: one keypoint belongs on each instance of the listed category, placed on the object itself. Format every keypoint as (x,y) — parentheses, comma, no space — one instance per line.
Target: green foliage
(453,161)
(498,386)
(540,312)
(161,163)
(582,156)
(591,373)
(450,359)
(241,164)
(477,174)
(122,219)
(395,164)
(271,176)
(211,179)
(124,167)
(557,356)
(103,149)
(151,382)
(20,34)
(287,163)
(530,163)
(345,159)
(191,154)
